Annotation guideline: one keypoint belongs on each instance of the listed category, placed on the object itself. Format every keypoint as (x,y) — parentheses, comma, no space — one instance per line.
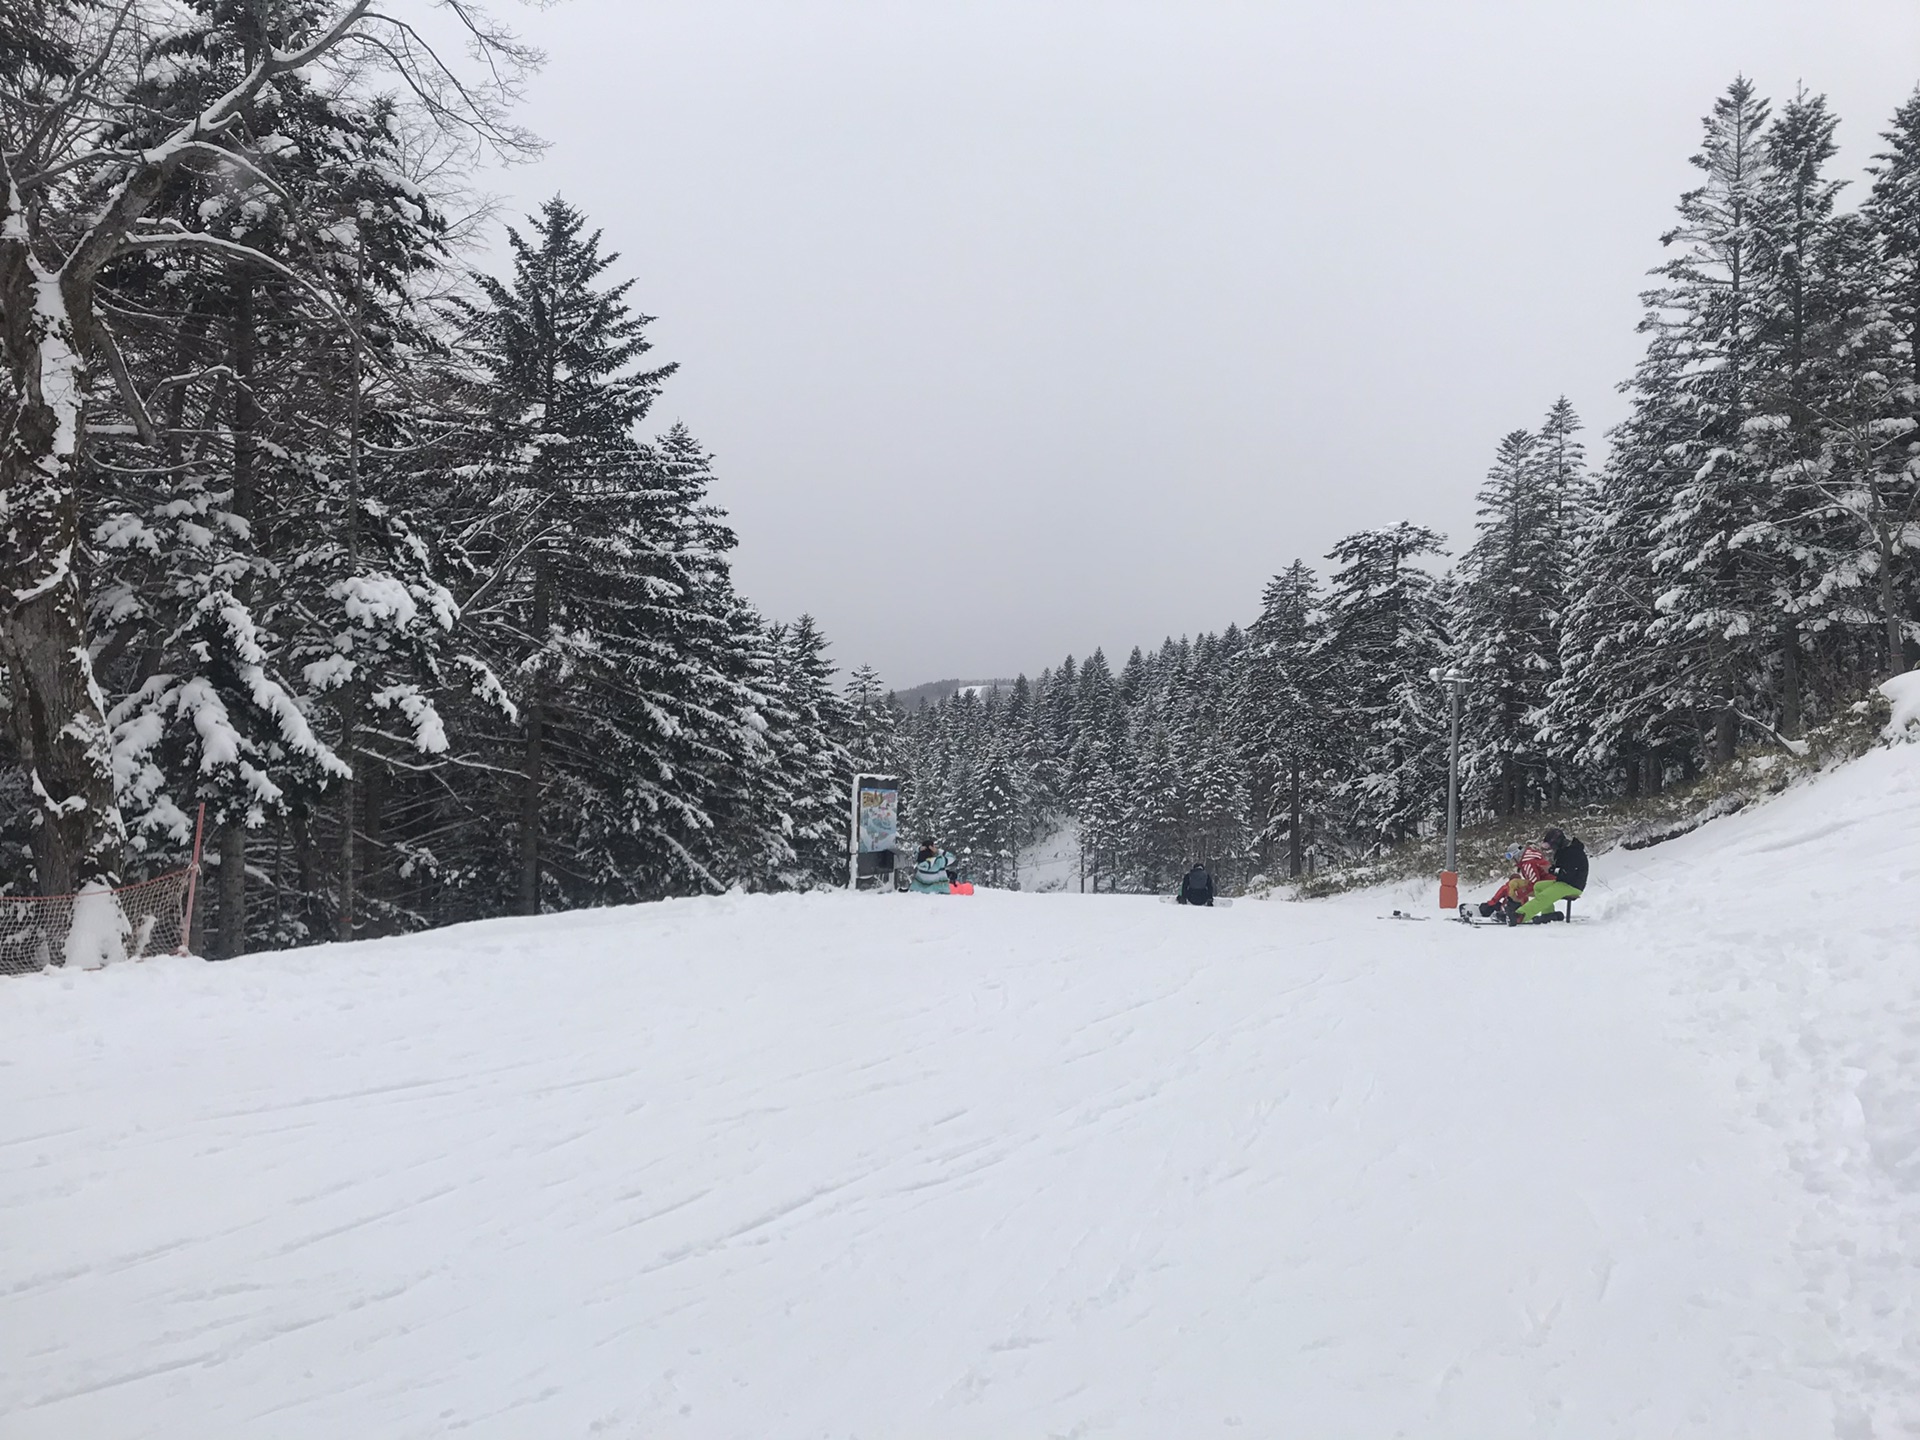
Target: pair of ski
(1463,917)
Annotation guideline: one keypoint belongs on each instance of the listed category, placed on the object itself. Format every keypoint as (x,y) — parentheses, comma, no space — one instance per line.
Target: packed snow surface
(890,1166)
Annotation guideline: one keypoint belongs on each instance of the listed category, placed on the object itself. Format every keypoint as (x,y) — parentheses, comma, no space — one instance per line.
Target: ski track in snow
(1016,1165)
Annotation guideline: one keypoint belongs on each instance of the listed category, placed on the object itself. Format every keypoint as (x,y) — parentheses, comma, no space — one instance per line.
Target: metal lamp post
(1450,877)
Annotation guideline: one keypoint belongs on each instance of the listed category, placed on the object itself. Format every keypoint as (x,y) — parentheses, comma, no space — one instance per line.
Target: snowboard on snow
(1220,902)
(1488,922)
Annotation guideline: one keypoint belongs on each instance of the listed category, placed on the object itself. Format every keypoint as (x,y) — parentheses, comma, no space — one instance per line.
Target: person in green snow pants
(1546,895)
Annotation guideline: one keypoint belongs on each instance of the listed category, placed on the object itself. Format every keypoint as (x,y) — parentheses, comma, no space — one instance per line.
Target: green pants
(1546,895)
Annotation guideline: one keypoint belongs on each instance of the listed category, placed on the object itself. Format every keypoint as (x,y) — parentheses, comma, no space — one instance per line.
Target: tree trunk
(1790,683)
(345,920)
(1631,763)
(1726,724)
(530,803)
(246,411)
(1890,607)
(306,869)
(371,804)
(1294,837)
(57,712)
(531,777)
(233,889)
(345,917)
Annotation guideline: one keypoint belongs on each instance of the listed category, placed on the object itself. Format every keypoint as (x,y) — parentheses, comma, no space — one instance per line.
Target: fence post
(193,882)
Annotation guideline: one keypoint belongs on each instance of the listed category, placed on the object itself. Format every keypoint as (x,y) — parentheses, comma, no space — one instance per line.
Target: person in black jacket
(1197,887)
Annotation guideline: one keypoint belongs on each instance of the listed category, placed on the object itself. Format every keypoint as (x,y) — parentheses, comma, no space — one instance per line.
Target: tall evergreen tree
(1876,438)
(1385,635)
(1706,322)
(816,770)
(1508,626)
(1282,711)
(562,354)
(872,724)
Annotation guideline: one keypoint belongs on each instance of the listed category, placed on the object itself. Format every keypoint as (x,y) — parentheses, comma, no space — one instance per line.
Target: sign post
(1450,877)
(875,828)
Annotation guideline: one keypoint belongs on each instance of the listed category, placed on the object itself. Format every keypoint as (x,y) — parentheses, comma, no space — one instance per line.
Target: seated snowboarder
(1566,877)
(930,872)
(1196,888)
(1530,866)
(1539,882)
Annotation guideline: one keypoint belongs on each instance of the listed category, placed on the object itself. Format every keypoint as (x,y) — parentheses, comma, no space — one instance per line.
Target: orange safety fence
(97,926)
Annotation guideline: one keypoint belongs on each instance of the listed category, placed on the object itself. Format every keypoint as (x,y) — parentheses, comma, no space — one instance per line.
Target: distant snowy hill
(1052,862)
(936,690)
(1013,1165)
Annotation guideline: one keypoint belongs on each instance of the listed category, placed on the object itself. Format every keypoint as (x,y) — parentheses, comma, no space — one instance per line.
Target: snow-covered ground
(1021,1165)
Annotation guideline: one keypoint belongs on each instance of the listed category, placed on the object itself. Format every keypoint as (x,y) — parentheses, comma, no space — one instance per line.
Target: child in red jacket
(1531,866)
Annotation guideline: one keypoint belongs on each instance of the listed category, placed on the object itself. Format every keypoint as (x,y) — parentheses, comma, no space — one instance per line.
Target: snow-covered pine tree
(1041,755)
(991,824)
(1102,815)
(1063,691)
(142,111)
(1093,721)
(1386,633)
(1216,804)
(1562,463)
(872,724)
(562,353)
(817,770)
(1282,712)
(1715,580)
(1026,760)
(312,415)
(1155,848)
(1875,436)
(1507,628)
(1131,687)
(1619,707)
(1806,274)
(752,803)
(655,715)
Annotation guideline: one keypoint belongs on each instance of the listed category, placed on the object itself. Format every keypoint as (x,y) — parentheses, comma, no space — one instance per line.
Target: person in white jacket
(930,874)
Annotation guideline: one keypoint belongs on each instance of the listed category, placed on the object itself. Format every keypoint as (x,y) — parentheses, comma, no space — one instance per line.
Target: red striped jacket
(1534,867)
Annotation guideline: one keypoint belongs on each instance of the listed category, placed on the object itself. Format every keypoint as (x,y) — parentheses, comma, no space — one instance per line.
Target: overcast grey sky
(1025,326)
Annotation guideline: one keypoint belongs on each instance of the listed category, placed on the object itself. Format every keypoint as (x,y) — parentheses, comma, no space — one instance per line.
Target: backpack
(1570,864)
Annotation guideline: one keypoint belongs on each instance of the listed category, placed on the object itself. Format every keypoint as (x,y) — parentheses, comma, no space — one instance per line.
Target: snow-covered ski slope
(1015,1166)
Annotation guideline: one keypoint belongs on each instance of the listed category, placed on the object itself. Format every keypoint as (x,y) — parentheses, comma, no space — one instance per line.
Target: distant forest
(1741,566)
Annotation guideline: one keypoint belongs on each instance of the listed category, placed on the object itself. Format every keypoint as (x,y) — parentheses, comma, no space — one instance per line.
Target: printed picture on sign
(879,817)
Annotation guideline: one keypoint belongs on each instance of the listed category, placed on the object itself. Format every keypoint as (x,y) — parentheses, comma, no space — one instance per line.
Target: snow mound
(1647,833)
(1015,1165)
(1903,693)
(100,930)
